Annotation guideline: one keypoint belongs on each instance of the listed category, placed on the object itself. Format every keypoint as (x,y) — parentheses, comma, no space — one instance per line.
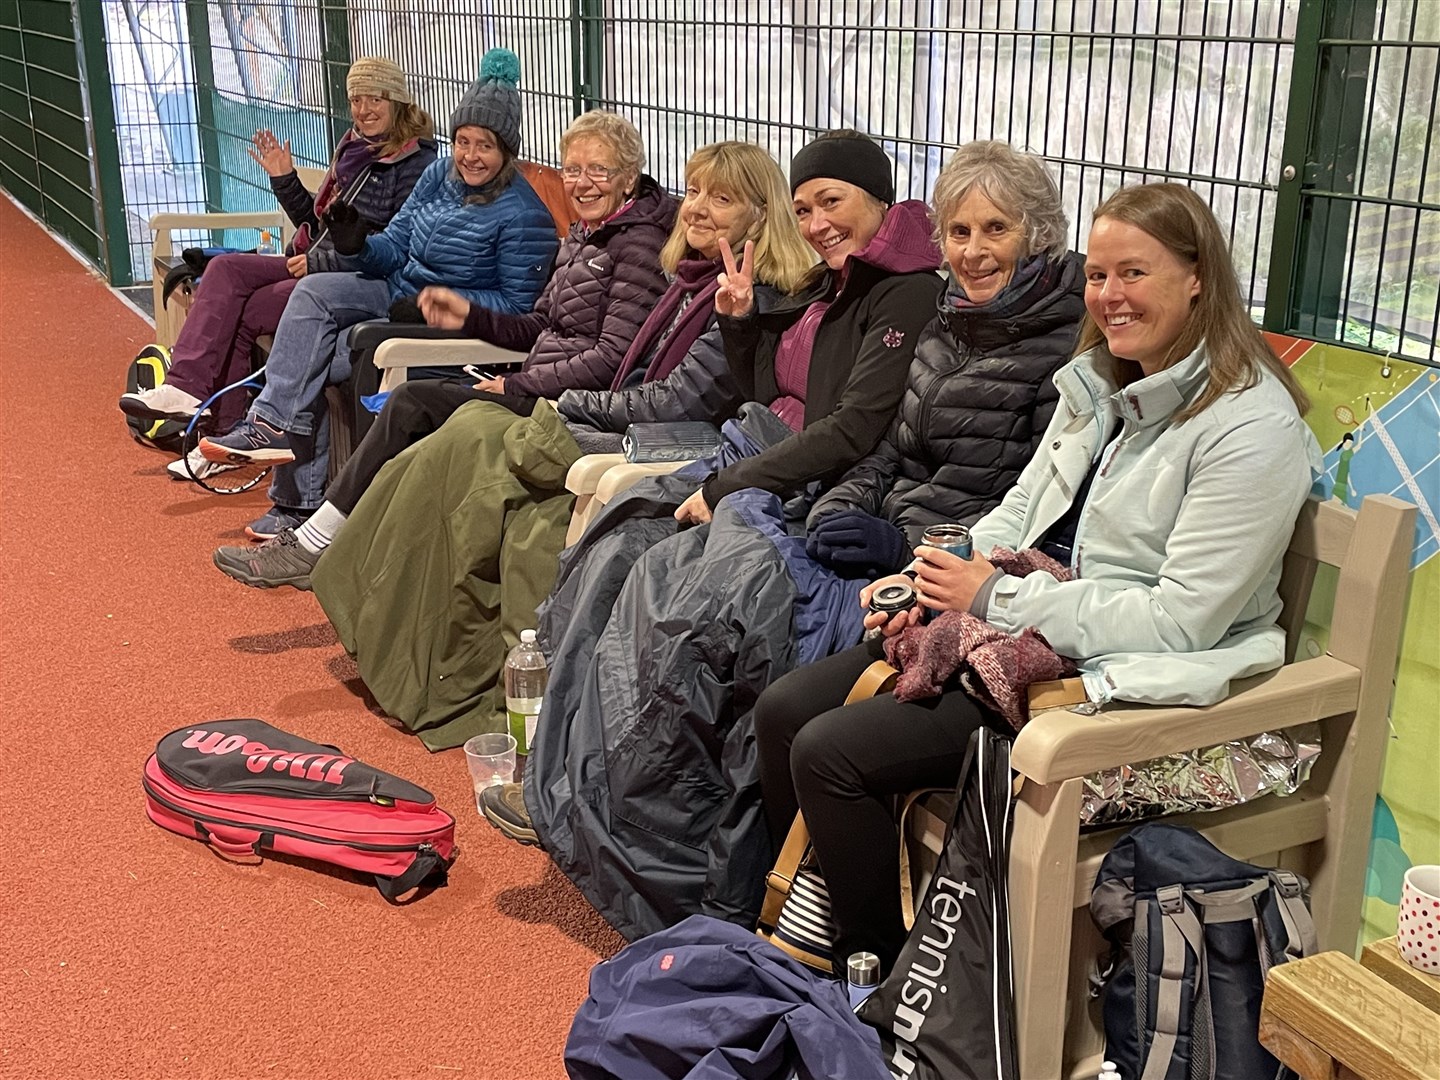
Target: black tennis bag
(1193,934)
(147,371)
(945,1012)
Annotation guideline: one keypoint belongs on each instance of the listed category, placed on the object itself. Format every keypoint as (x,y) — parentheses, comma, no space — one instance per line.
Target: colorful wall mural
(1379,424)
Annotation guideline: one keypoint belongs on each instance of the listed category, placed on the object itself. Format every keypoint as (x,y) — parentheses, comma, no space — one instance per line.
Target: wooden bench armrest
(1061,745)
(162,224)
(443,352)
(623,476)
(584,476)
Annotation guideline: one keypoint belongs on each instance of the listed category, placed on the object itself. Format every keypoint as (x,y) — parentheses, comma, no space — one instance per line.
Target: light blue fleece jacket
(1179,546)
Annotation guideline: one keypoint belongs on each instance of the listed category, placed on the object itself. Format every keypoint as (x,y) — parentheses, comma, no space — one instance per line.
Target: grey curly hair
(1016,181)
(610,128)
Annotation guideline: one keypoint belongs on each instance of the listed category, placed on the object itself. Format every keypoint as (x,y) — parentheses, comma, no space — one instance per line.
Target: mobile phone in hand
(478,373)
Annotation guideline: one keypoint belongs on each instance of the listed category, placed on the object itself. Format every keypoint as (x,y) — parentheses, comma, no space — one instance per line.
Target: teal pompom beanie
(493,101)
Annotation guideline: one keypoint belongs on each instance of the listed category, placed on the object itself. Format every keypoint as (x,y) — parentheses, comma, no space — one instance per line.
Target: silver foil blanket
(1211,778)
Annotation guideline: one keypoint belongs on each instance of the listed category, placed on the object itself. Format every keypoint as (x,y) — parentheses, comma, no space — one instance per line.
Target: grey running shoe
(281,561)
(504,807)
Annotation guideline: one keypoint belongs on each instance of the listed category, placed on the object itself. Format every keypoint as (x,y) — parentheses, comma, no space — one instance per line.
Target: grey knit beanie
(493,101)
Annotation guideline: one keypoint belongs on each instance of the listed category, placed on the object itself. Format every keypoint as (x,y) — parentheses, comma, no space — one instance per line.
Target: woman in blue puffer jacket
(472,223)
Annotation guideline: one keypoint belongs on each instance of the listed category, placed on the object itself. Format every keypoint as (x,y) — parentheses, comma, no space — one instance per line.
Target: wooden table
(1329,1018)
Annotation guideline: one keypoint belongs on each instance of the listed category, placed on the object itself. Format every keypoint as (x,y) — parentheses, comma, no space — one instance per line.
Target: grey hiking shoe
(281,561)
(504,807)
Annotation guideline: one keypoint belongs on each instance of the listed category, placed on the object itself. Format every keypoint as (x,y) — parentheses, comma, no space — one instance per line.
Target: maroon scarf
(694,278)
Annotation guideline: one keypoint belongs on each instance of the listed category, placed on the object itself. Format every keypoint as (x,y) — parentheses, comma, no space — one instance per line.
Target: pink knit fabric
(995,668)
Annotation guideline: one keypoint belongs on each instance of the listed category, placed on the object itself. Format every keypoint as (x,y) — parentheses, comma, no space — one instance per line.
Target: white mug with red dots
(1418,935)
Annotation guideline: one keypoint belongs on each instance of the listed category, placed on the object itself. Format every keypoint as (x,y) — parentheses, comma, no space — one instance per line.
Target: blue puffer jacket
(497,254)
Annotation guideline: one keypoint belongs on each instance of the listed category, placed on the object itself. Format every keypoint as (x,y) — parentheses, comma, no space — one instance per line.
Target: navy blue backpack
(1193,934)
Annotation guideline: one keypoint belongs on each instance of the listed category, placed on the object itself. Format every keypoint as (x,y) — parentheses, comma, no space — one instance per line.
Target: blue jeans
(303,361)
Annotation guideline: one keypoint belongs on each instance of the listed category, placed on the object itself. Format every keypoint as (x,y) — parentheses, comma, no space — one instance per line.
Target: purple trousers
(240,298)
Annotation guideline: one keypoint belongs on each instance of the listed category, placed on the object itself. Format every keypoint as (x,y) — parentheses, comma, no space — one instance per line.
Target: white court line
(1411,485)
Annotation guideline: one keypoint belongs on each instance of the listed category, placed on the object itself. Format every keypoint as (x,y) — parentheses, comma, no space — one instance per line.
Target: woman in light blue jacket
(1168,481)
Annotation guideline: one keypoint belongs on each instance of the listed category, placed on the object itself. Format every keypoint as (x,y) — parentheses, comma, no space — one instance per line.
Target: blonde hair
(410,122)
(1016,182)
(613,130)
(1236,352)
(745,171)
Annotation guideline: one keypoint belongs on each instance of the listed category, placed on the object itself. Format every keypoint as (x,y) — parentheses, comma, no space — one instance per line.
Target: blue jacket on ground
(708,1000)
(496,254)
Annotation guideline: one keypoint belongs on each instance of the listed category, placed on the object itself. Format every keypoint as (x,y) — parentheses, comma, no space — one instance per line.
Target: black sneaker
(504,807)
(281,561)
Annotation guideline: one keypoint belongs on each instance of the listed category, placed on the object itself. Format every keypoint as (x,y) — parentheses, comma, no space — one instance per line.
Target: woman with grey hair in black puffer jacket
(979,392)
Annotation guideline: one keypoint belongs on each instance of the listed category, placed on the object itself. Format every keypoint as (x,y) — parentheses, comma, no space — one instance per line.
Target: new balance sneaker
(164,402)
(504,807)
(275,522)
(281,561)
(198,465)
(252,441)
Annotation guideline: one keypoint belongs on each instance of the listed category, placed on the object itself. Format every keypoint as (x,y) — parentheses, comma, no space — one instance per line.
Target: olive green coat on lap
(444,562)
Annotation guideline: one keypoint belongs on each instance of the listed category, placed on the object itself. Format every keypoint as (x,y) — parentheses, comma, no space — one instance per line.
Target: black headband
(855,160)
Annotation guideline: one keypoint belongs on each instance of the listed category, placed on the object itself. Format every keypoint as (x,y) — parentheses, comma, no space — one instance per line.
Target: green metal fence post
(335,63)
(1329,96)
(94,60)
(197,21)
(587,53)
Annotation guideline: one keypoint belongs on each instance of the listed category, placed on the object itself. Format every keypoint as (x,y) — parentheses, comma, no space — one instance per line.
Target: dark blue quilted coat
(497,254)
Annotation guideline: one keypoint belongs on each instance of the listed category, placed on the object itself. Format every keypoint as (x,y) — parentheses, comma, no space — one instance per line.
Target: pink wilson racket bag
(245,788)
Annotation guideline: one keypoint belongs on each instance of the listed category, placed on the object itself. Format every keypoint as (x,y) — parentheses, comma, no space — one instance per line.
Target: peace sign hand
(271,154)
(736,295)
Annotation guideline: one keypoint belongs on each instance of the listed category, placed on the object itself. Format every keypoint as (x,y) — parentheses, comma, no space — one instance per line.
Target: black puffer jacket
(377,194)
(699,388)
(978,398)
(600,293)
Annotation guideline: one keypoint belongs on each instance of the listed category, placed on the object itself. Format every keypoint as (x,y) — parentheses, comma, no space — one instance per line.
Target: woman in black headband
(829,361)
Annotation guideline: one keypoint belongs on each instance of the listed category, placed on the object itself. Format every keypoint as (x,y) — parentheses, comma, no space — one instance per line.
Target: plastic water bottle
(525,678)
(862,976)
(267,244)
(1108,1071)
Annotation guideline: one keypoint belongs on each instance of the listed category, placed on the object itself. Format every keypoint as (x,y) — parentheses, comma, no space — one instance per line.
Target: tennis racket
(221,479)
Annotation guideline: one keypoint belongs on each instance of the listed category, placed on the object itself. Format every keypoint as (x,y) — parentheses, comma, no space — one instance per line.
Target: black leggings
(417,408)
(842,765)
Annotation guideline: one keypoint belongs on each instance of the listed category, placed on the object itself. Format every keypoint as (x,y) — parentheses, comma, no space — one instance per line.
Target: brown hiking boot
(504,807)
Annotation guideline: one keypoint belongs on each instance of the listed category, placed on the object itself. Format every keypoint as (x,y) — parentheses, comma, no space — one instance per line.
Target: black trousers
(842,765)
(415,409)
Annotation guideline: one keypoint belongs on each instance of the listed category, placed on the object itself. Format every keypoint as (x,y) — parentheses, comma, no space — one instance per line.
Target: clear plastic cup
(491,759)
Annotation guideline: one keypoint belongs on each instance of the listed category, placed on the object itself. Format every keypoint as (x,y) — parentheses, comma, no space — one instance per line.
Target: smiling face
(590,157)
(1138,293)
(983,245)
(837,218)
(478,156)
(712,213)
(372,115)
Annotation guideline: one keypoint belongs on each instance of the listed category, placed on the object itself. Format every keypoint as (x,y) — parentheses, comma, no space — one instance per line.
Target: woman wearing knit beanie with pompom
(473,224)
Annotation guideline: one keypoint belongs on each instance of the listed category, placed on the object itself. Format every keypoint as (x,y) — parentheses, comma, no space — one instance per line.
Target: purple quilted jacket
(603,287)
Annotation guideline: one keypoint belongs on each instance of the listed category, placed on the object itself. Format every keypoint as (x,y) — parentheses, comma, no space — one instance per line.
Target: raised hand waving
(271,154)
(736,295)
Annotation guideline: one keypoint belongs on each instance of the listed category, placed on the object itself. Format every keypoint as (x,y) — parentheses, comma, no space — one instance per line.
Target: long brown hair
(411,122)
(1236,351)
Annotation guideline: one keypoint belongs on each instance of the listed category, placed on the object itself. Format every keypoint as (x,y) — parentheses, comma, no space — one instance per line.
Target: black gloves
(853,542)
(347,229)
(406,310)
